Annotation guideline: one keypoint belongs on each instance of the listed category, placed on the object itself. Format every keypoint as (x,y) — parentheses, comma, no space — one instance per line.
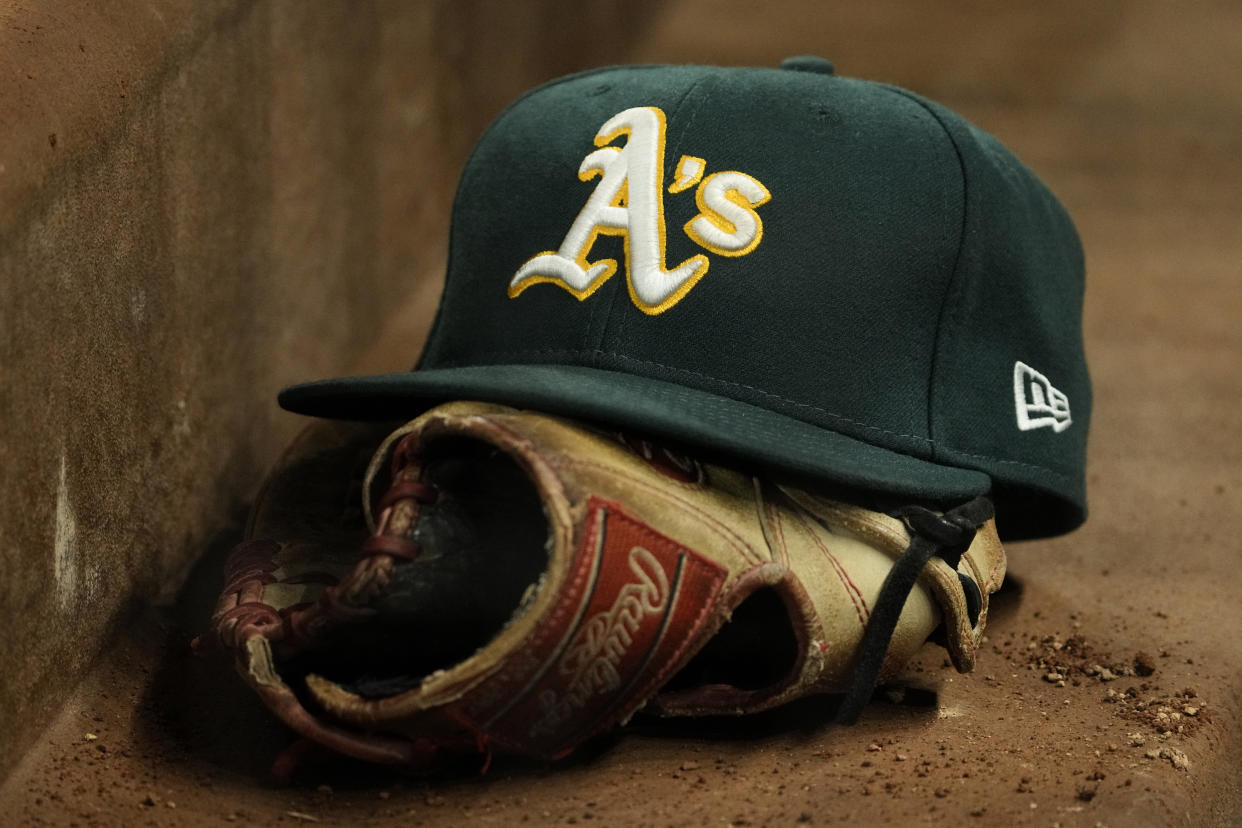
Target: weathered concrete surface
(200,202)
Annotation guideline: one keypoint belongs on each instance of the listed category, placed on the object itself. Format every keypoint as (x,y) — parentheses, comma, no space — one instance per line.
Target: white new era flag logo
(1038,403)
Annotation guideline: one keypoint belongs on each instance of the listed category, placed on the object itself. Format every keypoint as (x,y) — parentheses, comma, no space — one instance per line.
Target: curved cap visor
(674,412)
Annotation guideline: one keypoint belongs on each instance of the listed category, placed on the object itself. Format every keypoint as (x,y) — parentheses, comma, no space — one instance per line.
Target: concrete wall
(201,202)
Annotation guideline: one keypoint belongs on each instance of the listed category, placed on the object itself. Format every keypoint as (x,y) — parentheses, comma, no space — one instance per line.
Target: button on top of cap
(808,63)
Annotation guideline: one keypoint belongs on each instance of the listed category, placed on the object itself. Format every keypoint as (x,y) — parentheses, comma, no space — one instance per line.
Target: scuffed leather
(826,560)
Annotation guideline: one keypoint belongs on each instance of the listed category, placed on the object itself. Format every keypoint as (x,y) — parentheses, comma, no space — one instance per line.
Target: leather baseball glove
(503,580)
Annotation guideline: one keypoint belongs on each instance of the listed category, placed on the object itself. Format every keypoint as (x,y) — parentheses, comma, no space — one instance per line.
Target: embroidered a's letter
(628,201)
(727,222)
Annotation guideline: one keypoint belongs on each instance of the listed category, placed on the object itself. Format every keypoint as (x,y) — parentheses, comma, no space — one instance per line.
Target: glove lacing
(945,535)
(405,486)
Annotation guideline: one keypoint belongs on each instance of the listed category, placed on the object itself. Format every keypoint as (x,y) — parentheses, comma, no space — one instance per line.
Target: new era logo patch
(1039,404)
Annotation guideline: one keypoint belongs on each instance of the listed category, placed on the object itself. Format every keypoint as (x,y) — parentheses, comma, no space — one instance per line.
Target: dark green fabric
(907,261)
(684,415)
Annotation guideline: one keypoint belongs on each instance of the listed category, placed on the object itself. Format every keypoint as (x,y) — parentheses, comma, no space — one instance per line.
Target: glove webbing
(932,534)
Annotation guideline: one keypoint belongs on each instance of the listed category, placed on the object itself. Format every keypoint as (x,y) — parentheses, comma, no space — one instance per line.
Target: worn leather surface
(648,555)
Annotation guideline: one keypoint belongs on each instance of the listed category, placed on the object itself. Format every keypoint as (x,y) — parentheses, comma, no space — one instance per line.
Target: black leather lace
(947,536)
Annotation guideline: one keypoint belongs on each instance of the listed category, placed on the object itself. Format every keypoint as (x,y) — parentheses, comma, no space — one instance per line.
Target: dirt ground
(1078,715)
(1109,690)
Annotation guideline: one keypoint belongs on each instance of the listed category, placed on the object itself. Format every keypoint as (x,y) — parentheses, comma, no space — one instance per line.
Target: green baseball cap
(832,278)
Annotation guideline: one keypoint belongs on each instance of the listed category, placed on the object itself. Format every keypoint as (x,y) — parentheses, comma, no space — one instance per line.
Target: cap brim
(648,406)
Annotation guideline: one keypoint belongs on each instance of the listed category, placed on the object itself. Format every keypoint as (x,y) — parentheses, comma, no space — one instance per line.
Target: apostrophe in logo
(628,201)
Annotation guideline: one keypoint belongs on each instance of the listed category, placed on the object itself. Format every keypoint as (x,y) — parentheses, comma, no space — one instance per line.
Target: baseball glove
(503,580)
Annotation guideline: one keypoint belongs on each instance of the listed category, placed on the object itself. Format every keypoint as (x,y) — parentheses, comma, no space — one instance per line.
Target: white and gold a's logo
(628,201)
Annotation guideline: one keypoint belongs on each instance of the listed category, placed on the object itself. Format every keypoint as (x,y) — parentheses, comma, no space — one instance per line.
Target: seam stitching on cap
(468,168)
(591,356)
(561,352)
(449,365)
(947,308)
(622,296)
(693,115)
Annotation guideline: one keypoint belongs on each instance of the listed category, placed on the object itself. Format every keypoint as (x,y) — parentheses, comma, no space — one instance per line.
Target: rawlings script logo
(590,662)
(628,201)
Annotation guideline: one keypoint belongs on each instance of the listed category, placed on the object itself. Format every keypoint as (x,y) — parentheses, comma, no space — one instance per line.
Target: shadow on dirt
(195,706)
(199,712)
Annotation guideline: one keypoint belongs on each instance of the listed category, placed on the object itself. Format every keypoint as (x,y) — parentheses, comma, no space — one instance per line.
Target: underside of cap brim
(672,412)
